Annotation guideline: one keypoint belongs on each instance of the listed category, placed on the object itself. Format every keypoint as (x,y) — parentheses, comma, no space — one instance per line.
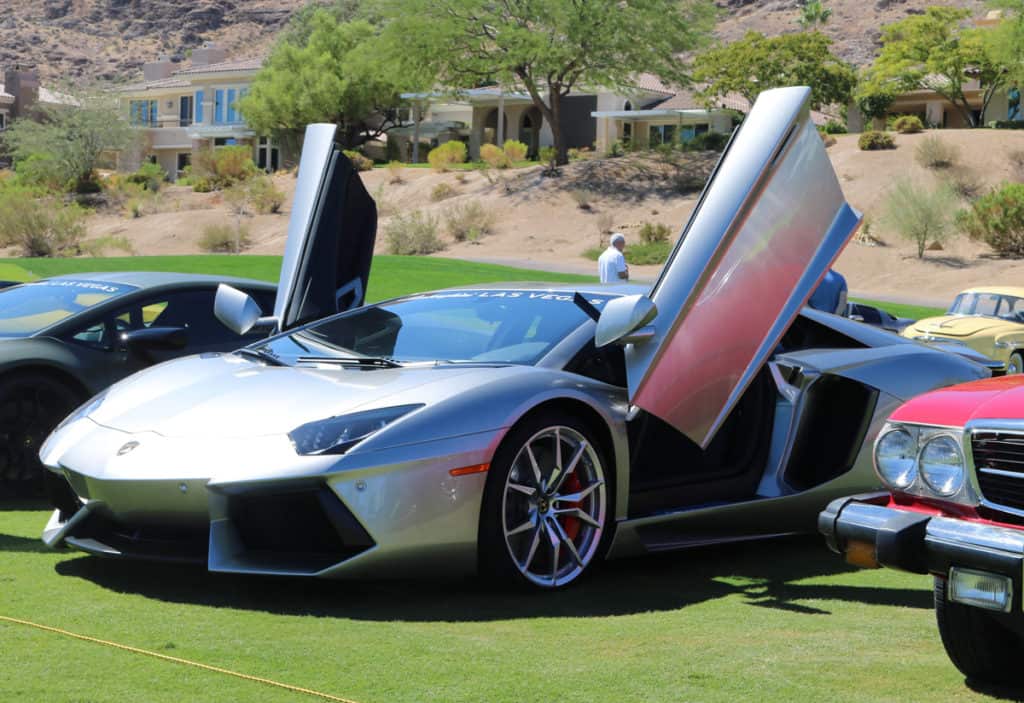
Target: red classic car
(953,461)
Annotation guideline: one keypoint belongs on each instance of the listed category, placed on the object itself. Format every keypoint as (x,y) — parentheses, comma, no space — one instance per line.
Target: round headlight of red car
(942,465)
(896,458)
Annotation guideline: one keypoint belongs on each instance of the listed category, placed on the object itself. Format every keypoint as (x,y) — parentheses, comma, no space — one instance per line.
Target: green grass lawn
(389,275)
(914,312)
(784,620)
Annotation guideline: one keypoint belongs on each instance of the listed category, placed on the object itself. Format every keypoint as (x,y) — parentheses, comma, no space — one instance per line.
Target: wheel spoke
(578,496)
(526,490)
(534,466)
(564,473)
(534,543)
(555,550)
(567,542)
(530,522)
(580,514)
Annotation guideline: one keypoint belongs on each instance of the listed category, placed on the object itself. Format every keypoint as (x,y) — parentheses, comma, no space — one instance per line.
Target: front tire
(1015,365)
(31,406)
(976,643)
(547,504)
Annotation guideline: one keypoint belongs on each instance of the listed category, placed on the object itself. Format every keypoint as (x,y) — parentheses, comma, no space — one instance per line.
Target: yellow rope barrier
(178,660)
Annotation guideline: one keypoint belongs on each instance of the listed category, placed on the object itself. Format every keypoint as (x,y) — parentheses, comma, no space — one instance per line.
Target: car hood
(991,398)
(957,325)
(227,396)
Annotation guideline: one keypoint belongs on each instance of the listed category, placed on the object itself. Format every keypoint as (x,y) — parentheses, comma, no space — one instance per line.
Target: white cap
(618,237)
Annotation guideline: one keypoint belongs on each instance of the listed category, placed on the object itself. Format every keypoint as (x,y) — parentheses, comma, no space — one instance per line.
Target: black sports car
(64,339)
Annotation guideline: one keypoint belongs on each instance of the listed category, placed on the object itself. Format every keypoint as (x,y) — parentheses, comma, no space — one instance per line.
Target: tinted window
(503,326)
(32,307)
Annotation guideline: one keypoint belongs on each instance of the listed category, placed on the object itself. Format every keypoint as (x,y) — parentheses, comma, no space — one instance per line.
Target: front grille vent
(999,463)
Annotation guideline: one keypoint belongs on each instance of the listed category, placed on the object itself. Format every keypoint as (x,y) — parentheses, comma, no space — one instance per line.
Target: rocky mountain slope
(111,39)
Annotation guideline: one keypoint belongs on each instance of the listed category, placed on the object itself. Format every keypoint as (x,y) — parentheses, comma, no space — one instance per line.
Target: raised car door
(331,234)
(768,226)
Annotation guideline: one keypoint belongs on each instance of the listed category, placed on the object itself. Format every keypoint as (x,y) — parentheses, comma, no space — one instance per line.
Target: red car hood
(991,398)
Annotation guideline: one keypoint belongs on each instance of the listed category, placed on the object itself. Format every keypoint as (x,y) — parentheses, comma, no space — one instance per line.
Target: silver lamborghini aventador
(523,431)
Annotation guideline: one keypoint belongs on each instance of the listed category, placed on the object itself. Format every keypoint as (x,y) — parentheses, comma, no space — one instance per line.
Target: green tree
(331,74)
(756,63)
(936,51)
(813,14)
(69,141)
(549,48)
(1005,41)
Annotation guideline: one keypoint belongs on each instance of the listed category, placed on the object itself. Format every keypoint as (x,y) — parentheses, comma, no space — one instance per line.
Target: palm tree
(813,14)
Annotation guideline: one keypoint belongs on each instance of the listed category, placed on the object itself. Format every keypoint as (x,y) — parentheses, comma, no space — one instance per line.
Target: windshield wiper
(377,361)
(262,355)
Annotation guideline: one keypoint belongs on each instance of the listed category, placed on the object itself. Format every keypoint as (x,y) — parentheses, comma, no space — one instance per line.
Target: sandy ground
(540,225)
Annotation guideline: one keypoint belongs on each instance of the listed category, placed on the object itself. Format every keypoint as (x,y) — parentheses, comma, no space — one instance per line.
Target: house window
(184,161)
(267,155)
(218,106)
(662,134)
(232,115)
(199,106)
(143,113)
(3,120)
(225,141)
(185,111)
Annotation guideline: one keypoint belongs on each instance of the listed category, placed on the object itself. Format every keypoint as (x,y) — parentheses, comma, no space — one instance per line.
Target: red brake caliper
(570,524)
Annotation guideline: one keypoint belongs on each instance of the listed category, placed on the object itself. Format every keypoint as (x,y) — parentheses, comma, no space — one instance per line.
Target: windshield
(32,307)
(1005,307)
(491,326)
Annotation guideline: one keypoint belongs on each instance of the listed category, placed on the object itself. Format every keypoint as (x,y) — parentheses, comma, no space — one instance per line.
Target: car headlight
(336,435)
(942,465)
(83,410)
(1003,345)
(896,458)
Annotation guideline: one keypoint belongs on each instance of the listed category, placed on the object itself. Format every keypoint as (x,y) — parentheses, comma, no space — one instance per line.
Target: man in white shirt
(611,265)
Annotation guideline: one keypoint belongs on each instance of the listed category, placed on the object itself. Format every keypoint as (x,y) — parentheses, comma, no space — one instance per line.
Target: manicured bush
(549,156)
(468,221)
(515,150)
(494,156)
(224,239)
(833,127)
(413,233)
(651,232)
(875,141)
(708,141)
(266,199)
(222,167)
(443,157)
(442,191)
(933,152)
(149,175)
(40,226)
(908,124)
(997,219)
(359,162)
(920,214)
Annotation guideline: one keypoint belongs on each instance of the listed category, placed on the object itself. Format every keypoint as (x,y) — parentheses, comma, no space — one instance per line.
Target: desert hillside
(110,39)
(539,222)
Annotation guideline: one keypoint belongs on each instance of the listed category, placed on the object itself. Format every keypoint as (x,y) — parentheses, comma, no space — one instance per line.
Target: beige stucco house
(20,93)
(181,110)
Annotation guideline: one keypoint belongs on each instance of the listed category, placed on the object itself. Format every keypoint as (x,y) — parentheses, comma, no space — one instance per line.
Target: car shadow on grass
(766,574)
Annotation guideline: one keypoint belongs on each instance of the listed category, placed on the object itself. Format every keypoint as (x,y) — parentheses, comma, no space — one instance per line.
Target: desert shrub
(639,254)
(964,182)
(549,155)
(515,150)
(920,214)
(39,171)
(616,149)
(461,177)
(651,232)
(494,156)
(413,233)
(686,181)
(875,141)
(135,208)
(442,191)
(395,172)
(997,219)
(100,245)
(833,127)
(584,198)
(442,157)
(933,152)
(709,141)
(149,175)
(359,162)
(826,138)
(221,239)
(40,226)
(605,223)
(468,221)
(386,206)
(222,167)
(266,199)
(908,124)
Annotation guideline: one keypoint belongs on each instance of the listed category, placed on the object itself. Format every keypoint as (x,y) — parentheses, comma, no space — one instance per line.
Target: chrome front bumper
(920,543)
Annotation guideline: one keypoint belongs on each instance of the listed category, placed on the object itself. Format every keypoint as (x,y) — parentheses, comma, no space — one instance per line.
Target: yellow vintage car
(988,320)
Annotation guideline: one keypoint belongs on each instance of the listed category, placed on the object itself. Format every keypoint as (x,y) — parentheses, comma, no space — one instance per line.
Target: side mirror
(238,311)
(857,318)
(624,320)
(153,338)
